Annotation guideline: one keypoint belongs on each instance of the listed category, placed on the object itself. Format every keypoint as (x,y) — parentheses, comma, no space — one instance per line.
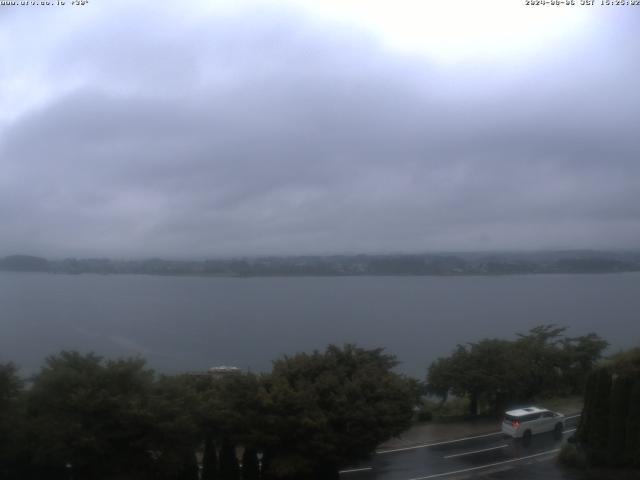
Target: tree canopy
(338,405)
(496,372)
(103,419)
(93,418)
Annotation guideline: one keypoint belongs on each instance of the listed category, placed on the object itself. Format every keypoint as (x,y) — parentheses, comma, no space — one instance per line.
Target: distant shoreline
(364,275)
(441,265)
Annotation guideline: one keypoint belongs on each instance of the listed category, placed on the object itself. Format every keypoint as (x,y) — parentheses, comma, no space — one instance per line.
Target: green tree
(495,373)
(91,414)
(441,375)
(173,432)
(482,371)
(579,356)
(12,422)
(111,418)
(327,409)
(229,413)
(541,360)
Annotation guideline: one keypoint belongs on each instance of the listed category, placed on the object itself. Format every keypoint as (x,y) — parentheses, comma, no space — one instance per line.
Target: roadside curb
(444,440)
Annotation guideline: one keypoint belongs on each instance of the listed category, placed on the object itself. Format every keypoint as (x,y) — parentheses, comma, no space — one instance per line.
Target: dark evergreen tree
(582,433)
(191,466)
(187,468)
(209,460)
(12,423)
(250,464)
(632,433)
(265,468)
(620,392)
(609,429)
(326,472)
(229,468)
(598,434)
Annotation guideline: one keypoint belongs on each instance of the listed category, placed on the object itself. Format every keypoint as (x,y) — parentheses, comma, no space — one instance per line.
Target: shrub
(425,415)
(571,456)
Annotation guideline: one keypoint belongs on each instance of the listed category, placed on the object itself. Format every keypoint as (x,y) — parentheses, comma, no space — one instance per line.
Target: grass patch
(567,405)
(457,408)
(453,409)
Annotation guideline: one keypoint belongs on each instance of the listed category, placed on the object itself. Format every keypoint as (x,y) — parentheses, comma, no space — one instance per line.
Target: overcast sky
(214,128)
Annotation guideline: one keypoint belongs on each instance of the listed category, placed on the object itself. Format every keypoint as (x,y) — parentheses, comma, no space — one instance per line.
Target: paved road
(448,460)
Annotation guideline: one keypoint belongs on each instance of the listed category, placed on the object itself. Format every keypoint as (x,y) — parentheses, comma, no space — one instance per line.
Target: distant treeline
(340,265)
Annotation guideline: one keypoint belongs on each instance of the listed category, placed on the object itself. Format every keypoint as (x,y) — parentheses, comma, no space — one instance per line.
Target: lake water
(192,323)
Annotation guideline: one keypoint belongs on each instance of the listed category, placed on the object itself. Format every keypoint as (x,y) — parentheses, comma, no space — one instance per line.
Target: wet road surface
(485,454)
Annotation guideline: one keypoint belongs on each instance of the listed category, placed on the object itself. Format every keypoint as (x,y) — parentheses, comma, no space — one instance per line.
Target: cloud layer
(266,130)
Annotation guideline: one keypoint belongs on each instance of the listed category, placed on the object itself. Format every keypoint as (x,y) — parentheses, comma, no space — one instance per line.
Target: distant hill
(341,265)
(24,263)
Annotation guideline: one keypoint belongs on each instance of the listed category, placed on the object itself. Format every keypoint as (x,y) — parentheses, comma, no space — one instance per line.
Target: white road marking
(489,465)
(476,451)
(426,445)
(353,470)
(446,442)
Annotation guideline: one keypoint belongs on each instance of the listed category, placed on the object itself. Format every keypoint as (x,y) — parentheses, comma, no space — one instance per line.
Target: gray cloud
(268,132)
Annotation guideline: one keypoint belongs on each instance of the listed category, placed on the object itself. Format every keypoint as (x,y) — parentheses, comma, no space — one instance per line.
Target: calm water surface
(191,323)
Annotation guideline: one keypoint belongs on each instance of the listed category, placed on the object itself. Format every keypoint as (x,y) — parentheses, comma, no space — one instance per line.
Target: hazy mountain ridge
(340,265)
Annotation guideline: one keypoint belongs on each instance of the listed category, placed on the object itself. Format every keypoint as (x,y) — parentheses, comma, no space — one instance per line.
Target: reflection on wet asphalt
(490,456)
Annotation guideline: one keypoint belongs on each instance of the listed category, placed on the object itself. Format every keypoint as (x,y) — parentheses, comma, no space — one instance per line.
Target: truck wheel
(526,437)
